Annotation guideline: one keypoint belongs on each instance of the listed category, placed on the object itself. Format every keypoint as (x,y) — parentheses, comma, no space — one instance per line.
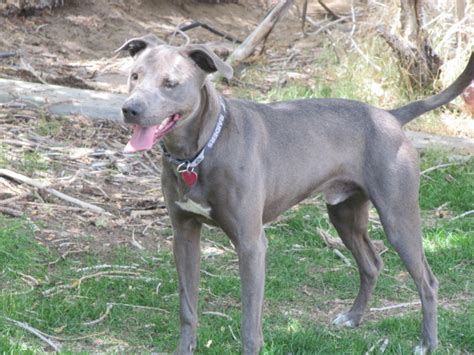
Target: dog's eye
(169,84)
(134,76)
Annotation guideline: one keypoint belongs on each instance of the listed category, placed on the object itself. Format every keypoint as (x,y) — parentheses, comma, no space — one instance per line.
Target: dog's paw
(344,320)
(185,349)
(420,350)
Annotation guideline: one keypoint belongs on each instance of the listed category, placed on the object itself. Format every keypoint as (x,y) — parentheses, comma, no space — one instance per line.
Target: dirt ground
(74,46)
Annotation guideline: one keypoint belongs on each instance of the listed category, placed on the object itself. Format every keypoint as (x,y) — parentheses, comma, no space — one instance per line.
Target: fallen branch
(209,274)
(101,318)
(467,213)
(107,266)
(260,33)
(44,186)
(138,306)
(35,332)
(63,100)
(232,333)
(14,198)
(141,213)
(218,314)
(75,338)
(401,305)
(10,211)
(336,243)
(342,257)
(77,283)
(7,54)
(383,341)
(204,25)
(30,69)
(440,166)
(27,278)
(328,10)
(329,240)
(135,242)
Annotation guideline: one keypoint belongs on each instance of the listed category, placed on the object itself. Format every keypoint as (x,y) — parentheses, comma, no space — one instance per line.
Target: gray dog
(239,164)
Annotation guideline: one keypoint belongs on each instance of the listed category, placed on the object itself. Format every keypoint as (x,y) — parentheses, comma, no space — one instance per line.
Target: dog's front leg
(187,258)
(252,251)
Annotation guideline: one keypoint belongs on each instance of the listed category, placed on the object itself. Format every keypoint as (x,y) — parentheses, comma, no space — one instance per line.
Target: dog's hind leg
(350,219)
(395,195)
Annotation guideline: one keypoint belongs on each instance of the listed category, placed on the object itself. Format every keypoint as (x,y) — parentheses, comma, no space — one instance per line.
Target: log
(422,141)
(63,101)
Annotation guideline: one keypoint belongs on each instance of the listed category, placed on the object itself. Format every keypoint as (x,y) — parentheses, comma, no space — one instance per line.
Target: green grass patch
(306,286)
(451,186)
(48,126)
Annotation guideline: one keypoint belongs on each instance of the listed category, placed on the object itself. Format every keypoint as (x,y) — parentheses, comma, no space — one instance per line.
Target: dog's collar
(186,167)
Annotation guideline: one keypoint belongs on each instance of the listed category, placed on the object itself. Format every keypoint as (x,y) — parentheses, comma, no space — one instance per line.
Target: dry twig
(342,257)
(400,305)
(218,314)
(14,198)
(77,283)
(30,69)
(329,240)
(440,166)
(40,185)
(107,266)
(138,306)
(462,215)
(328,10)
(10,211)
(101,318)
(44,337)
(195,24)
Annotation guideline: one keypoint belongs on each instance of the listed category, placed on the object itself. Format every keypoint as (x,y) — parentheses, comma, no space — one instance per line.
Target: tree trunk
(413,48)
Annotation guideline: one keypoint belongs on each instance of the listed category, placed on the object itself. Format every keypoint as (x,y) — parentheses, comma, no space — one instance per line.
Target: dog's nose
(132,111)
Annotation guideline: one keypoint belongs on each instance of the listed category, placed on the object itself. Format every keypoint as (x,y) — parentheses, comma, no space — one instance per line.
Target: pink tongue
(142,139)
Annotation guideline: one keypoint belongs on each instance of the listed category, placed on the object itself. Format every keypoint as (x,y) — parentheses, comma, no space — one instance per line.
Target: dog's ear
(136,45)
(208,61)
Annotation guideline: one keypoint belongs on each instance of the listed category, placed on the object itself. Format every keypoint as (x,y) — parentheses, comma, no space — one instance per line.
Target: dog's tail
(408,112)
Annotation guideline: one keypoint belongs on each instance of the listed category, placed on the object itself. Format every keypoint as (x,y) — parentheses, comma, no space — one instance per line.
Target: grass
(306,286)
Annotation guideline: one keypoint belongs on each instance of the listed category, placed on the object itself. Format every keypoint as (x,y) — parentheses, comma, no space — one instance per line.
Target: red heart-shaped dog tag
(189,177)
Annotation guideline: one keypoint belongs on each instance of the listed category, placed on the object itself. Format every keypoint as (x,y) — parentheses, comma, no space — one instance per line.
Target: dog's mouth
(144,138)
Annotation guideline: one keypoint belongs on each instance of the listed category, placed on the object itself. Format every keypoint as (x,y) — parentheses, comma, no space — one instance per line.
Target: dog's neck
(188,139)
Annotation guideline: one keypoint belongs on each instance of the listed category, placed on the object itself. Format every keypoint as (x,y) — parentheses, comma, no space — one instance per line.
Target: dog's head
(164,87)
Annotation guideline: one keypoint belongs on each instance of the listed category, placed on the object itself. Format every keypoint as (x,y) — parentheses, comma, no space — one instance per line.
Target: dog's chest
(191,206)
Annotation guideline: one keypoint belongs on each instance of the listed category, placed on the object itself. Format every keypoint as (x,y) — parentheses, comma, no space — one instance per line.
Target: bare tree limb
(260,33)
(41,185)
(328,10)
(10,211)
(101,318)
(204,25)
(35,332)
